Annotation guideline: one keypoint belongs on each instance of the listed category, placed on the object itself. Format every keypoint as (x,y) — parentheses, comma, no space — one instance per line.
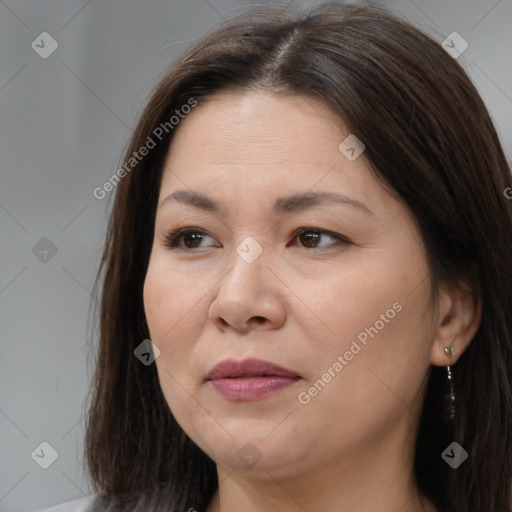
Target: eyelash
(172,240)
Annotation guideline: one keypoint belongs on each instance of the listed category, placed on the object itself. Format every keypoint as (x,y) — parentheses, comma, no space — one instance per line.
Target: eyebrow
(282,204)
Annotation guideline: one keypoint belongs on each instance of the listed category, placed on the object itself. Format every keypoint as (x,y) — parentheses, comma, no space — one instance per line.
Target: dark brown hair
(429,138)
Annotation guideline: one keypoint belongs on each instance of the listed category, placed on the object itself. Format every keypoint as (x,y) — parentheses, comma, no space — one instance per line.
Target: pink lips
(250,379)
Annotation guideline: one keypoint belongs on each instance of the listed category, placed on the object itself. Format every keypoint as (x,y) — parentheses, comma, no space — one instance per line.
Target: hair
(429,139)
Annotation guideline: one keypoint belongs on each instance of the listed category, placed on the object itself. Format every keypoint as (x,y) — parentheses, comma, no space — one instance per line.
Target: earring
(451,388)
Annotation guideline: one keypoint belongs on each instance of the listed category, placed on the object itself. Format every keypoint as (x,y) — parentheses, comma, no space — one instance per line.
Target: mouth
(250,379)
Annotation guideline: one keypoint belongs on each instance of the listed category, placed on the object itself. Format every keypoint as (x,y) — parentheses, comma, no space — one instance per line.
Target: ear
(457,320)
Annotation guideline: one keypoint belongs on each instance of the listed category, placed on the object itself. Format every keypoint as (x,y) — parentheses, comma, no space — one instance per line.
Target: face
(296,256)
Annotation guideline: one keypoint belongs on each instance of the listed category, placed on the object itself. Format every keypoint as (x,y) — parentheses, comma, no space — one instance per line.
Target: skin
(297,305)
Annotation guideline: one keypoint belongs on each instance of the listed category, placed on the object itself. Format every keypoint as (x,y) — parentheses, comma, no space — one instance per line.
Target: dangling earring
(451,388)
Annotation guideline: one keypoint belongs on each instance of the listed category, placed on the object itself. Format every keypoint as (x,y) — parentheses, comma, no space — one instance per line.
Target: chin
(250,448)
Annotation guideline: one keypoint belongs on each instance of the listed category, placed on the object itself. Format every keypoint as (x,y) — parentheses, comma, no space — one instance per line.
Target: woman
(306,280)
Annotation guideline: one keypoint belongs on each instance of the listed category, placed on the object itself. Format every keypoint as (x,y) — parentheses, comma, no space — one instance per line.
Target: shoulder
(78,505)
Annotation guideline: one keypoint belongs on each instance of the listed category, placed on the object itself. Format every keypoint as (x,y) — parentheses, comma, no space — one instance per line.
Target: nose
(248,298)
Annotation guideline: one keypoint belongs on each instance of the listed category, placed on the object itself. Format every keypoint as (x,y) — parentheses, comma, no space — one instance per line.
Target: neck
(235,494)
(376,479)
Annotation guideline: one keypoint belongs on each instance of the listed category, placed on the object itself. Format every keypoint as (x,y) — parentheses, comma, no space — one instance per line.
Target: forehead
(256,128)
(260,146)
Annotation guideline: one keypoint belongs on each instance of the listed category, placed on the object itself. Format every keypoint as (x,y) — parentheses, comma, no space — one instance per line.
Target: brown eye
(192,240)
(188,239)
(185,239)
(310,238)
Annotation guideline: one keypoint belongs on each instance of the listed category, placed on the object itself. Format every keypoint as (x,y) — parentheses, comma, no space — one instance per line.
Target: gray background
(65,121)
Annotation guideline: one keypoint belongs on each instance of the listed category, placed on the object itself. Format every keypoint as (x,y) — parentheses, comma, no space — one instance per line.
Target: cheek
(169,295)
(376,382)
(172,322)
(341,305)
(378,320)
(158,305)
(168,309)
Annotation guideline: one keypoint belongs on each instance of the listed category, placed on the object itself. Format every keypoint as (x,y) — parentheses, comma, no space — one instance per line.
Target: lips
(251,379)
(231,369)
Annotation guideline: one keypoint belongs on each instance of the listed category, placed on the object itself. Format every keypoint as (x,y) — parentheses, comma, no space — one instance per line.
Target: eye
(191,238)
(310,237)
